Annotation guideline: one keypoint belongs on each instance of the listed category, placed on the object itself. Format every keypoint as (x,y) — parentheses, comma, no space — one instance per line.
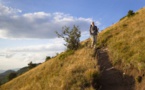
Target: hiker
(93,34)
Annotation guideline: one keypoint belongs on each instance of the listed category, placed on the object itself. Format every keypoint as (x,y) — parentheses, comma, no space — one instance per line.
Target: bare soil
(111,78)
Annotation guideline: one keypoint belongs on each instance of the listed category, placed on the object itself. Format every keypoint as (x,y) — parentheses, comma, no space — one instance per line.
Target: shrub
(47,58)
(32,65)
(130,13)
(72,37)
(12,76)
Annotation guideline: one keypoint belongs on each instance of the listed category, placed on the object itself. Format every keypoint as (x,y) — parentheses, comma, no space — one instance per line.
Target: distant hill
(22,70)
(4,75)
(117,63)
(7,72)
(1,71)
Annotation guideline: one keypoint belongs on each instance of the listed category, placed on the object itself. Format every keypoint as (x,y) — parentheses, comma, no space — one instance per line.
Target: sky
(27,27)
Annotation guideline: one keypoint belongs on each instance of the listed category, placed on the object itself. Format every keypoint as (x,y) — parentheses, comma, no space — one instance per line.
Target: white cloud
(37,24)
(4,10)
(19,57)
(38,48)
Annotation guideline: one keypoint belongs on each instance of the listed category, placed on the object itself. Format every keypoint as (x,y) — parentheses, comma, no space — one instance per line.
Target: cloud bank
(14,24)
(42,25)
(18,57)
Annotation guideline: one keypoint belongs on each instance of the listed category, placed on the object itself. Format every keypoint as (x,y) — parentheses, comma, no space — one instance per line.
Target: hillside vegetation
(71,70)
(125,41)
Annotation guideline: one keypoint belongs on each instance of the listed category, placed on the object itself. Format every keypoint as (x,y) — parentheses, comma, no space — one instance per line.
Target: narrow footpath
(111,78)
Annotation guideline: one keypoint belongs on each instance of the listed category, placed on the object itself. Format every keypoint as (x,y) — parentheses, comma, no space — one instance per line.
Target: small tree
(12,76)
(130,13)
(31,65)
(72,37)
(47,58)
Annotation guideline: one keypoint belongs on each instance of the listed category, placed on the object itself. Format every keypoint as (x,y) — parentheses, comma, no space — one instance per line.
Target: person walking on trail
(93,34)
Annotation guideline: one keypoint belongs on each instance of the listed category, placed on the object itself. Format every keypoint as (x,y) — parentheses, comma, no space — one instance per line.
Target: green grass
(66,54)
(125,41)
(77,70)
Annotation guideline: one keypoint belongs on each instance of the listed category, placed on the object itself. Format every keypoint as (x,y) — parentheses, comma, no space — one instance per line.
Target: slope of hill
(125,42)
(119,66)
(68,71)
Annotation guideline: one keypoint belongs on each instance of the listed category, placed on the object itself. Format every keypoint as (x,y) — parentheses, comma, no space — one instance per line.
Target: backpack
(93,31)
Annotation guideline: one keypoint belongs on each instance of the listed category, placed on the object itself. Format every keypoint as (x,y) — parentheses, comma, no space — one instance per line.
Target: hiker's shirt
(93,30)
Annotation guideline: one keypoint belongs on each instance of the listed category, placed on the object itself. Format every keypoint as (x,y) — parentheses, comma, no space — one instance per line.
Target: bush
(12,76)
(31,65)
(72,37)
(130,13)
(47,58)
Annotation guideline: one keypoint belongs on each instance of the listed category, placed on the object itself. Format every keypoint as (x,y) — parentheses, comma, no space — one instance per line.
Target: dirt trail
(111,78)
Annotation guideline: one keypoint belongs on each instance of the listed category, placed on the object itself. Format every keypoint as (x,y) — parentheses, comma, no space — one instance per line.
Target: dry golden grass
(125,41)
(74,72)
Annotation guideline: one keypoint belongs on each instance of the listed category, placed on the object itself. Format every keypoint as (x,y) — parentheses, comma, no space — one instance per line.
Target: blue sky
(103,10)
(27,26)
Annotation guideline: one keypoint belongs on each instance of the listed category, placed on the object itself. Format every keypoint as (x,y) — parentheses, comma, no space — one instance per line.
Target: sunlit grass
(71,70)
(125,41)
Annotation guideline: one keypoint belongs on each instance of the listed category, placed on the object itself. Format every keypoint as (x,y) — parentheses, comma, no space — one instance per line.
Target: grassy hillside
(71,70)
(125,41)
